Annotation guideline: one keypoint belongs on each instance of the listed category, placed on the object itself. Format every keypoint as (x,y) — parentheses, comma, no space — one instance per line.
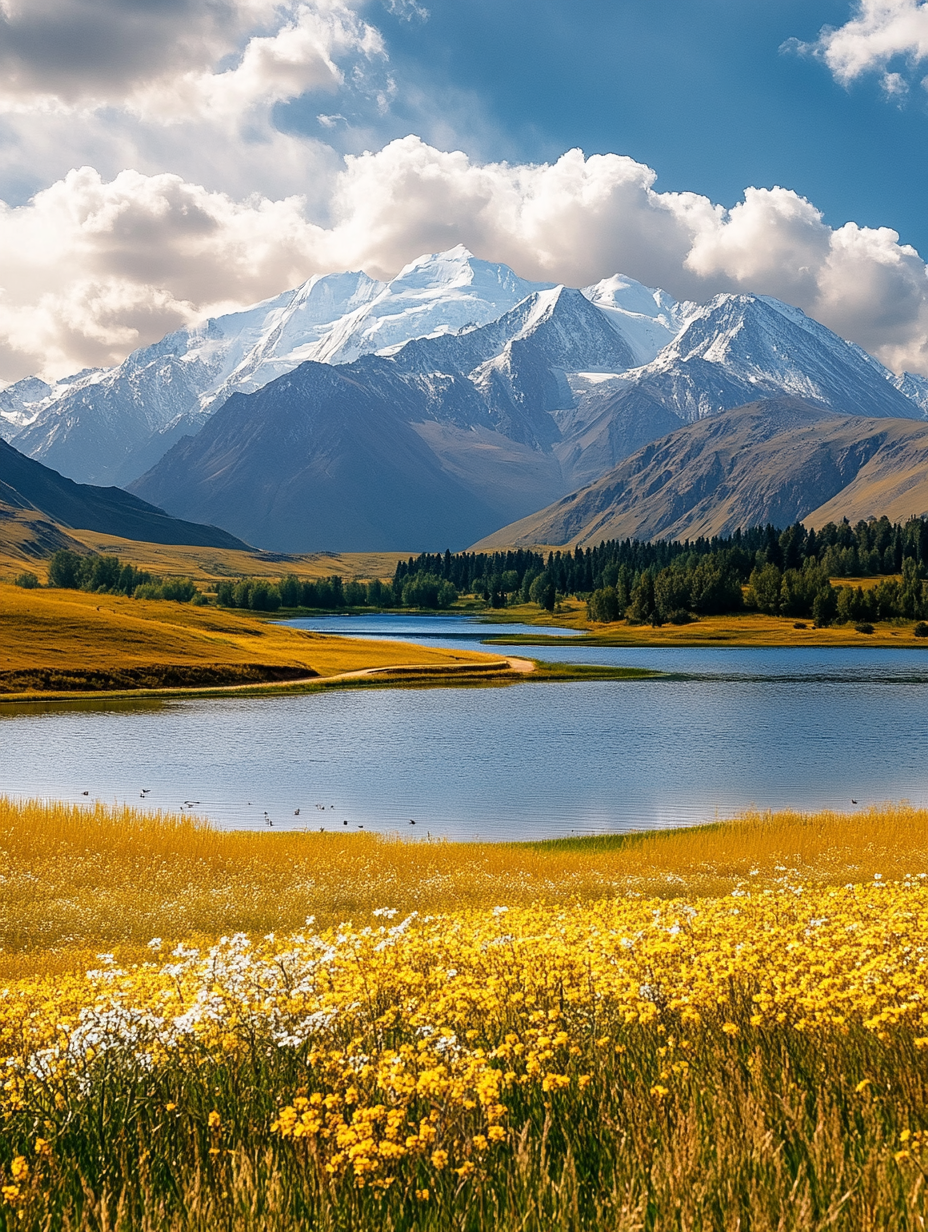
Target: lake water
(774,727)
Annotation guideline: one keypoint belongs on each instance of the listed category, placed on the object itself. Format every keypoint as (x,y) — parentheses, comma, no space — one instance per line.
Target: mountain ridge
(778,461)
(27,485)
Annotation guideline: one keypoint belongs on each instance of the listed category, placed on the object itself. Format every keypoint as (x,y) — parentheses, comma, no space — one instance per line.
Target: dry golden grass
(78,879)
(213,564)
(28,539)
(72,634)
(743,629)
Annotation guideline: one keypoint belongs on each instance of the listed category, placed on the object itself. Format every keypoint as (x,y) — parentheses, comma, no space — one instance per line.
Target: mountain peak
(455,257)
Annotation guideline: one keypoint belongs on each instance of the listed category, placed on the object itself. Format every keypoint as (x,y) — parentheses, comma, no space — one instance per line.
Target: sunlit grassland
(203,565)
(735,629)
(71,640)
(92,877)
(716,1028)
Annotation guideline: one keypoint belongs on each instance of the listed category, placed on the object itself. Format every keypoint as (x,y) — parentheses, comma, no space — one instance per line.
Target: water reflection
(806,728)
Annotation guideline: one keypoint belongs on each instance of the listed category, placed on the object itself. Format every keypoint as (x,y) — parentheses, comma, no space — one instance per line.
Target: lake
(777,727)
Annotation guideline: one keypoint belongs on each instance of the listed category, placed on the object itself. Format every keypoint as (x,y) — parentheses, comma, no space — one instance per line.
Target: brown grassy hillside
(778,461)
(66,641)
(28,539)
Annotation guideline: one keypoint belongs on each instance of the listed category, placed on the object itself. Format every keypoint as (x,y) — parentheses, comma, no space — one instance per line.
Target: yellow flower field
(748,1052)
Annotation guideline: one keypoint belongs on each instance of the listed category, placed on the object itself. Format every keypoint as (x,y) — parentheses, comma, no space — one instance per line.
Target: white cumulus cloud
(879,32)
(174,58)
(93,267)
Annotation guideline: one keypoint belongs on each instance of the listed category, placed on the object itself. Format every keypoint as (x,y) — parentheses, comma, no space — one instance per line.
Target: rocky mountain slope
(515,414)
(29,487)
(778,460)
(112,425)
(476,397)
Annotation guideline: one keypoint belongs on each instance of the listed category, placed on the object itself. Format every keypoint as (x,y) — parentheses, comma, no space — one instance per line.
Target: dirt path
(515,665)
(522,666)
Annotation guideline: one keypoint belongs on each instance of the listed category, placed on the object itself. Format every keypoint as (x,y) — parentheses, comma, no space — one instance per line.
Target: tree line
(777,572)
(786,572)
(422,590)
(108,575)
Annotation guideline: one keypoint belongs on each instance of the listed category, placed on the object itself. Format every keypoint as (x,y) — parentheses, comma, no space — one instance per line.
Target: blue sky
(699,89)
(163,160)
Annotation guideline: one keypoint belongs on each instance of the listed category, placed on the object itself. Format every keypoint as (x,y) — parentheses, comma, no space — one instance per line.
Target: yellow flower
(439,1159)
(214,1120)
(19,1168)
(731,1028)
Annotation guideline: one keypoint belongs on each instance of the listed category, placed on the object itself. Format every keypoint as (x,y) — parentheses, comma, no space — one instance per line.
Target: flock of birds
(189,804)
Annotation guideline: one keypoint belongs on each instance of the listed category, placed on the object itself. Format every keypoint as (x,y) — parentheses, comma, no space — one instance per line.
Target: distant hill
(27,487)
(781,460)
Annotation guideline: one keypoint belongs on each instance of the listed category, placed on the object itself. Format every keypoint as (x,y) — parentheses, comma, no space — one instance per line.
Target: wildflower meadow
(739,1044)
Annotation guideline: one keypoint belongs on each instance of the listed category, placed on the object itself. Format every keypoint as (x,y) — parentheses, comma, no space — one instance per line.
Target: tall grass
(96,877)
(720,1028)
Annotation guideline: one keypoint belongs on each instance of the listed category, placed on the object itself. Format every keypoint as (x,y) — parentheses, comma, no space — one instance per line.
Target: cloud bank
(93,268)
(225,204)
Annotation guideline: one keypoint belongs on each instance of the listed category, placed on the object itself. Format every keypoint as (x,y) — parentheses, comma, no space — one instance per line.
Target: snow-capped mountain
(517,391)
(733,350)
(22,401)
(98,426)
(112,425)
(646,319)
(914,387)
(737,348)
(492,419)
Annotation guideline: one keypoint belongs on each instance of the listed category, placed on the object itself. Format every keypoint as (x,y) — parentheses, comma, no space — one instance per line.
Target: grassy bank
(738,629)
(717,1028)
(69,642)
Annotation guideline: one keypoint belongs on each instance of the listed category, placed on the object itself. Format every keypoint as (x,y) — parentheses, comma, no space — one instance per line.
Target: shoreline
(500,673)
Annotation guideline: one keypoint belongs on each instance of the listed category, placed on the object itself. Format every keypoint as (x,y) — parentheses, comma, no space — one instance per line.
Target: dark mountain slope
(319,459)
(776,461)
(26,484)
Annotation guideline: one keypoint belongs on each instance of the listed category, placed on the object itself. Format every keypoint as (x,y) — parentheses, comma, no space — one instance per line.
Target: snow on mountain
(22,401)
(914,387)
(426,442)
(600,368)
(98,435)
(647,319)
(737,348)
(433,295)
